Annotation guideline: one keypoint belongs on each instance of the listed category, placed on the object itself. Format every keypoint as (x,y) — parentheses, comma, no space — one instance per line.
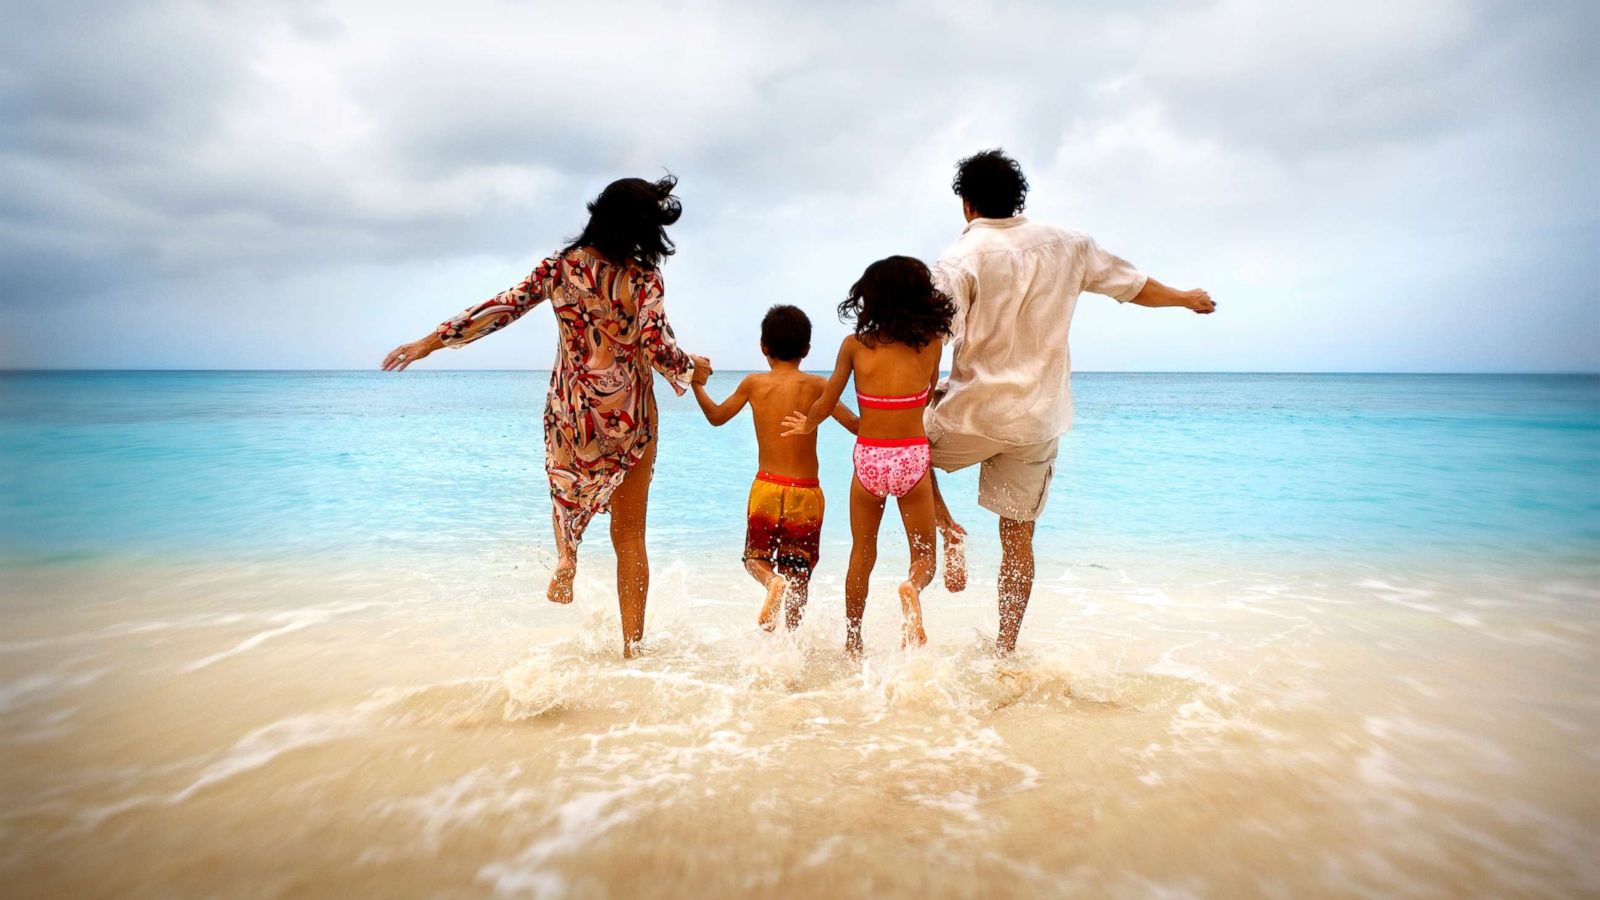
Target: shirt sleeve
(500,310)
(956,283)
(656,337)
(1111,275)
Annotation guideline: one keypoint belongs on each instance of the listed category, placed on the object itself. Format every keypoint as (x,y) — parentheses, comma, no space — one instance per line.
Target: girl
(900,322)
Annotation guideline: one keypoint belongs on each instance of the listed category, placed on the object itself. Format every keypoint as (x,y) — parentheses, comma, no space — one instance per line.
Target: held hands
(404,355)
(702,370)
(797,423)
(1199,301)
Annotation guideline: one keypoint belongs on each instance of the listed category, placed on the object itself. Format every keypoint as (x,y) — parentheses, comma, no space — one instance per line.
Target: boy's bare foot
(911,608)
(955,558)
(776,585)
(560,590)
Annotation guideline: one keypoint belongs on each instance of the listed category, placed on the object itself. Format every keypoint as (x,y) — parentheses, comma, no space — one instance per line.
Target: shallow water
(273,635)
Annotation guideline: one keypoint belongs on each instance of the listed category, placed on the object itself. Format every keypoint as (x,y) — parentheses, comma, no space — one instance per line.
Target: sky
(1370,185)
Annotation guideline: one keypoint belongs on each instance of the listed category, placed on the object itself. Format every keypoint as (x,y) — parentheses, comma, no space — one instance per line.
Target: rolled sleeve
(1111,275)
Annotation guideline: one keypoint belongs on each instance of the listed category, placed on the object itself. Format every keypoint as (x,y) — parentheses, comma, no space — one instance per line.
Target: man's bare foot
(955,558)
(560,590)
(776,585)
(911,608)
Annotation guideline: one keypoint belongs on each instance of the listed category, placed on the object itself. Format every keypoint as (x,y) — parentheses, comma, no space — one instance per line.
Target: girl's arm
(798,423)
(478,321)
(845,417)
(719,413)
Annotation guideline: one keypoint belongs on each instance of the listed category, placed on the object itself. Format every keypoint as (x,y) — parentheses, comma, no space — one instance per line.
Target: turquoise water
(1181,467)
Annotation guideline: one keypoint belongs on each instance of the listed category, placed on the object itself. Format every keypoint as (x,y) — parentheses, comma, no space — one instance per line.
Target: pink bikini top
(910,401)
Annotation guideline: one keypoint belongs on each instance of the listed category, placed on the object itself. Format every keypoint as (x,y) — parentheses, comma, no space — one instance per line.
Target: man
(1008,399)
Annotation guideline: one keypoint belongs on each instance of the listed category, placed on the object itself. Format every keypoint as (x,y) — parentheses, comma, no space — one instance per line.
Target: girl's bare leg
(917,514)
(866,513)
(629,503)
(560,589)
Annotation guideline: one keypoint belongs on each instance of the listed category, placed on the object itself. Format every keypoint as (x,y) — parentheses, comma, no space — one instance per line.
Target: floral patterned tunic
(600,414)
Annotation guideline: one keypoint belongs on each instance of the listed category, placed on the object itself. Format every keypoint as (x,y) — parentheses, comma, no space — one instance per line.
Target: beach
(277,634)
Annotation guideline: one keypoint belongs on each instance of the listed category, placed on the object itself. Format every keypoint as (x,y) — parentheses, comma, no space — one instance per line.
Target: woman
(600,415)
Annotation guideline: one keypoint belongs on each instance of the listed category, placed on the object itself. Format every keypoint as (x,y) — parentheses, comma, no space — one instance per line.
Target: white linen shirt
(1015,284)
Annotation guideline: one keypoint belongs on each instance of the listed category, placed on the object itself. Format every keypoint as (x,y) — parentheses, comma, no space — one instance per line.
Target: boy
(785,510)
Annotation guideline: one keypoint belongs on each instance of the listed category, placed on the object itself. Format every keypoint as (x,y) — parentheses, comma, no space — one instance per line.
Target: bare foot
(852,645)
(955,558)
(776,585)
(911,608)
(560,590)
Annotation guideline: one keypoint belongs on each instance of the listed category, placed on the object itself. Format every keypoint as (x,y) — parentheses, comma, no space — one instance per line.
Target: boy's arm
(845,417)
(805,423)
(1156,294)
(719,413)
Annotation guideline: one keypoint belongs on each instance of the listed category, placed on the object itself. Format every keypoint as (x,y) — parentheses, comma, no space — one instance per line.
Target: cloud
(377,166)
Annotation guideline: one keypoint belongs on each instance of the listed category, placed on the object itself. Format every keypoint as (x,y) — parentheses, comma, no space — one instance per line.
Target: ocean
(283,633)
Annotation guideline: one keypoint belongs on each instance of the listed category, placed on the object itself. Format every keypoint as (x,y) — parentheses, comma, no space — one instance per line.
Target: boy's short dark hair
(992,184)
(786,333)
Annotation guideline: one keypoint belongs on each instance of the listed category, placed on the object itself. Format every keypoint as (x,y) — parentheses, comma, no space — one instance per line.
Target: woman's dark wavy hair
(628,221)
(895,300)
(992,183)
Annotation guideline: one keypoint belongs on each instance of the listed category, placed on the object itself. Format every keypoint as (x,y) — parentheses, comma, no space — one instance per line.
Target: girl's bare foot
(560,590)
(776,585)
(911,608)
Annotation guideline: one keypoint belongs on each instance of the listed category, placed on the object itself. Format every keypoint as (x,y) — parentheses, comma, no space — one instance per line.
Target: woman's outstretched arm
(477,321)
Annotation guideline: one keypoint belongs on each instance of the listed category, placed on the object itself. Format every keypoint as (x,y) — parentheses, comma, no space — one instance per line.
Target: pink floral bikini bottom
(891,466)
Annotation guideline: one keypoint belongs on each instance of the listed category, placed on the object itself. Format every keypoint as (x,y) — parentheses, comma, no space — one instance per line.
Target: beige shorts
(1015,479)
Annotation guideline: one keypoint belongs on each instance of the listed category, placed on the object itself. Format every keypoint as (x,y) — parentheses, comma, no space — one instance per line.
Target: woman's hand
(797,423)
(406,354)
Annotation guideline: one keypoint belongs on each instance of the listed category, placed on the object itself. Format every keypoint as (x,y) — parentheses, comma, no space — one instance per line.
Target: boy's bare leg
(775,584)
(799,593)
(1016,580)
(955,541)
(560,588)
(916,513)
(866,513)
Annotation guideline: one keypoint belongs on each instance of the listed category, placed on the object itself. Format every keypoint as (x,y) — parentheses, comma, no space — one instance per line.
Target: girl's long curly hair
(895,300)
(628,221)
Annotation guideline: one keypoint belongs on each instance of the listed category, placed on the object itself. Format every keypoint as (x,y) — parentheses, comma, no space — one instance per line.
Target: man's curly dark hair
(895,300)
(992,184)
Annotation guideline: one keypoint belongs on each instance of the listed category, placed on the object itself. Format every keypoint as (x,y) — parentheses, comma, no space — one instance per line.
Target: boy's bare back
(774,395)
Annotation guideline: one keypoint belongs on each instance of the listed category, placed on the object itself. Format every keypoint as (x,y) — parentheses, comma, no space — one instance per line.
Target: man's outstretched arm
(1156,294)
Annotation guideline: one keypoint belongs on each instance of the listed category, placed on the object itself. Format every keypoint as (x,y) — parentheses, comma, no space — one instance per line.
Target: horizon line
(1462,372)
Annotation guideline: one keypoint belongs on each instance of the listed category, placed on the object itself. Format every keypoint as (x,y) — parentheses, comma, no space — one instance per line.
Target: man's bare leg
(1016,580)
(955,541)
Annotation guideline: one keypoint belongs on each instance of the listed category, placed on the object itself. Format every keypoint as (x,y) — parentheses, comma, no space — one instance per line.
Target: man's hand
(796,423)
(702,369)
(1199,301)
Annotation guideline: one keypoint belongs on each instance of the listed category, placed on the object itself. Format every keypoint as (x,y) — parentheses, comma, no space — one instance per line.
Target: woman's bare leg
(629,503)
(866,513)
(560,589)
(917,514)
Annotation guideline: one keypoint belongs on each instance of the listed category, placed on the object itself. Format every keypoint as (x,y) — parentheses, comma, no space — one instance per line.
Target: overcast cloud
(1392,185)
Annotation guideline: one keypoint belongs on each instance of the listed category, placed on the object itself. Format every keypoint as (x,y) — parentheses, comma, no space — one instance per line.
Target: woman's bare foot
(911,608)
(560,590)
(776,586)
(955,557)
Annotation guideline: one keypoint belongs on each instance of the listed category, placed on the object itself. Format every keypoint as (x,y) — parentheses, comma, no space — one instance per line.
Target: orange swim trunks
(785,522)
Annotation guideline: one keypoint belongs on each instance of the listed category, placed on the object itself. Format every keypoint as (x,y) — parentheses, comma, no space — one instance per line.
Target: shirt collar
(980,222)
